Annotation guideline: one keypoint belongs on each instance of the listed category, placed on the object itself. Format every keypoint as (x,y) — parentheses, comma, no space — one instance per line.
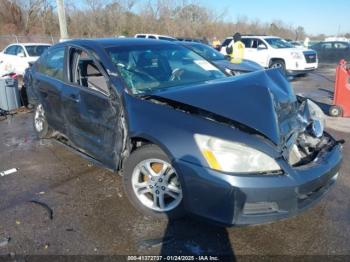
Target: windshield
(207,52)
(36,50)
(278,43)
(149,68)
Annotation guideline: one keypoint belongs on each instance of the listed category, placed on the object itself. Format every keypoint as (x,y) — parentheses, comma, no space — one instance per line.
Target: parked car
(272,52)
(19,55)
(222,61)
(189,39)
(187,138)
(296,44)
(155,36)
(332,51)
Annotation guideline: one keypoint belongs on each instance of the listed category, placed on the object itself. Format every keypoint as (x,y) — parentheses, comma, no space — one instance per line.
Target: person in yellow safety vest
(236,49)
(216,43)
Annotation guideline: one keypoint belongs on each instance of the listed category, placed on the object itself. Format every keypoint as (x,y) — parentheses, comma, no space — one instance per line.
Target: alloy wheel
(39,118)
(156,185)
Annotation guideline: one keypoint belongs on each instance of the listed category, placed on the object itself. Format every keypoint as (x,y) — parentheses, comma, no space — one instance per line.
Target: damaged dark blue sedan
(187,138)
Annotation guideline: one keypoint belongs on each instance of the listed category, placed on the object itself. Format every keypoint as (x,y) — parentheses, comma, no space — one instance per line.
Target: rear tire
(40,124)
(335,111)
(152,184)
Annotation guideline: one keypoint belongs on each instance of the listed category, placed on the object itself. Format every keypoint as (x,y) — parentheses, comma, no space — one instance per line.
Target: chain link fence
(10,39)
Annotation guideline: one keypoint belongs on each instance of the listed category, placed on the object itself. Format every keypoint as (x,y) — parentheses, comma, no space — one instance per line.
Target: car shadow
(197,237)
(190,236)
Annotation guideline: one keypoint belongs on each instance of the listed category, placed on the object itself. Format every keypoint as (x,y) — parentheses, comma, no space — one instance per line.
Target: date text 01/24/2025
(173,258)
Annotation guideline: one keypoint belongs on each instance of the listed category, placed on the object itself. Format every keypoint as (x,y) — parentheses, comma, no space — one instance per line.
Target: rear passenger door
(326,52)
(341,51)
(48,80)
(90,115)
(254,52)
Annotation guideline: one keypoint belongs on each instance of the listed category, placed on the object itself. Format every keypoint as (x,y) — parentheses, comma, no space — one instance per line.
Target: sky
(323,16)
(330,17)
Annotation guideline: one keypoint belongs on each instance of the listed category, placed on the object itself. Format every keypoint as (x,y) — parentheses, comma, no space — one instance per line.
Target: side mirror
(227,57)
(262,47)
(21,54)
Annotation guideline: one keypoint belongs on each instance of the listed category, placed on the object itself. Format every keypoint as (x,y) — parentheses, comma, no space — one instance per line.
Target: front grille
(310,57)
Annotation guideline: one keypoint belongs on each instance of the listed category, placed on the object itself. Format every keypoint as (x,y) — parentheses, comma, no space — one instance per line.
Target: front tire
(41,126)
(152,184)
(278,64)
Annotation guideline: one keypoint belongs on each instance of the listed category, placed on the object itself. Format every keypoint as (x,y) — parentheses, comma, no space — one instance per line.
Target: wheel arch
(139,140)
(274,59)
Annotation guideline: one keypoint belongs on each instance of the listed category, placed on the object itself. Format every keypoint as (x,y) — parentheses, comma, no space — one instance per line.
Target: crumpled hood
(261,100)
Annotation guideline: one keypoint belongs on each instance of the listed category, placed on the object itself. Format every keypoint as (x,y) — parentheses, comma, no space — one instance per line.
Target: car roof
(190,43)
(260,36)
(112,42)
(255,36)
(156,35)
(344,42)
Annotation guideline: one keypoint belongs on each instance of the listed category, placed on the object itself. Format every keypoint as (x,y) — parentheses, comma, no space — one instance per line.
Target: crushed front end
(310,161)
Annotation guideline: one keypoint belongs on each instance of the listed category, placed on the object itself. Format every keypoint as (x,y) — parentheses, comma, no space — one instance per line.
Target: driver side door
(91,113)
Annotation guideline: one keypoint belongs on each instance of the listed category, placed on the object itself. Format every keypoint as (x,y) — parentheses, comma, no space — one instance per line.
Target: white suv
(155,36)
(272,51)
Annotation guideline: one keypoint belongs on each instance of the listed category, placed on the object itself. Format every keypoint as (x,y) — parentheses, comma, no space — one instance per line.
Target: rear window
(36,50)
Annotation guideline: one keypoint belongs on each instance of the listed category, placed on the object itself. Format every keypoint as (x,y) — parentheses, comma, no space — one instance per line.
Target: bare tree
(101,18)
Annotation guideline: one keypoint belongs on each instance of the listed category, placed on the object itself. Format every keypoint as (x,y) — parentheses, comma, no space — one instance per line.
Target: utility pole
(62,20)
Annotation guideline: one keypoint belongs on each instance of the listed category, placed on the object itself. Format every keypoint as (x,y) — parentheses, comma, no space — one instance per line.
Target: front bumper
(244,200)
(300,66)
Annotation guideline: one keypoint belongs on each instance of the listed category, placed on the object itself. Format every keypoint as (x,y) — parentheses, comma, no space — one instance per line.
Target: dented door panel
(91,123)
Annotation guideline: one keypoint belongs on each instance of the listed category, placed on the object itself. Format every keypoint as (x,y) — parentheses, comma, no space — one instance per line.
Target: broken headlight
(312,117)
(234,157)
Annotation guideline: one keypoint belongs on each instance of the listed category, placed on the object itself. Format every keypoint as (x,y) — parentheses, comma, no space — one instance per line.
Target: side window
(227,42)
(52,63)
(254,43)
(141,36)
(11,50)
(247,42)
(151,37)
(326,46)
(340,45)
(20,50)
(84,72)
(257,42)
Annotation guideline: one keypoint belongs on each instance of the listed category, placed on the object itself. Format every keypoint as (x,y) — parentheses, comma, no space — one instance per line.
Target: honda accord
(187,137)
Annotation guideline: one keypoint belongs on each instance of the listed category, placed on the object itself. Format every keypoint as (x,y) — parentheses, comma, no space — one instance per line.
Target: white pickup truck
(272,51)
